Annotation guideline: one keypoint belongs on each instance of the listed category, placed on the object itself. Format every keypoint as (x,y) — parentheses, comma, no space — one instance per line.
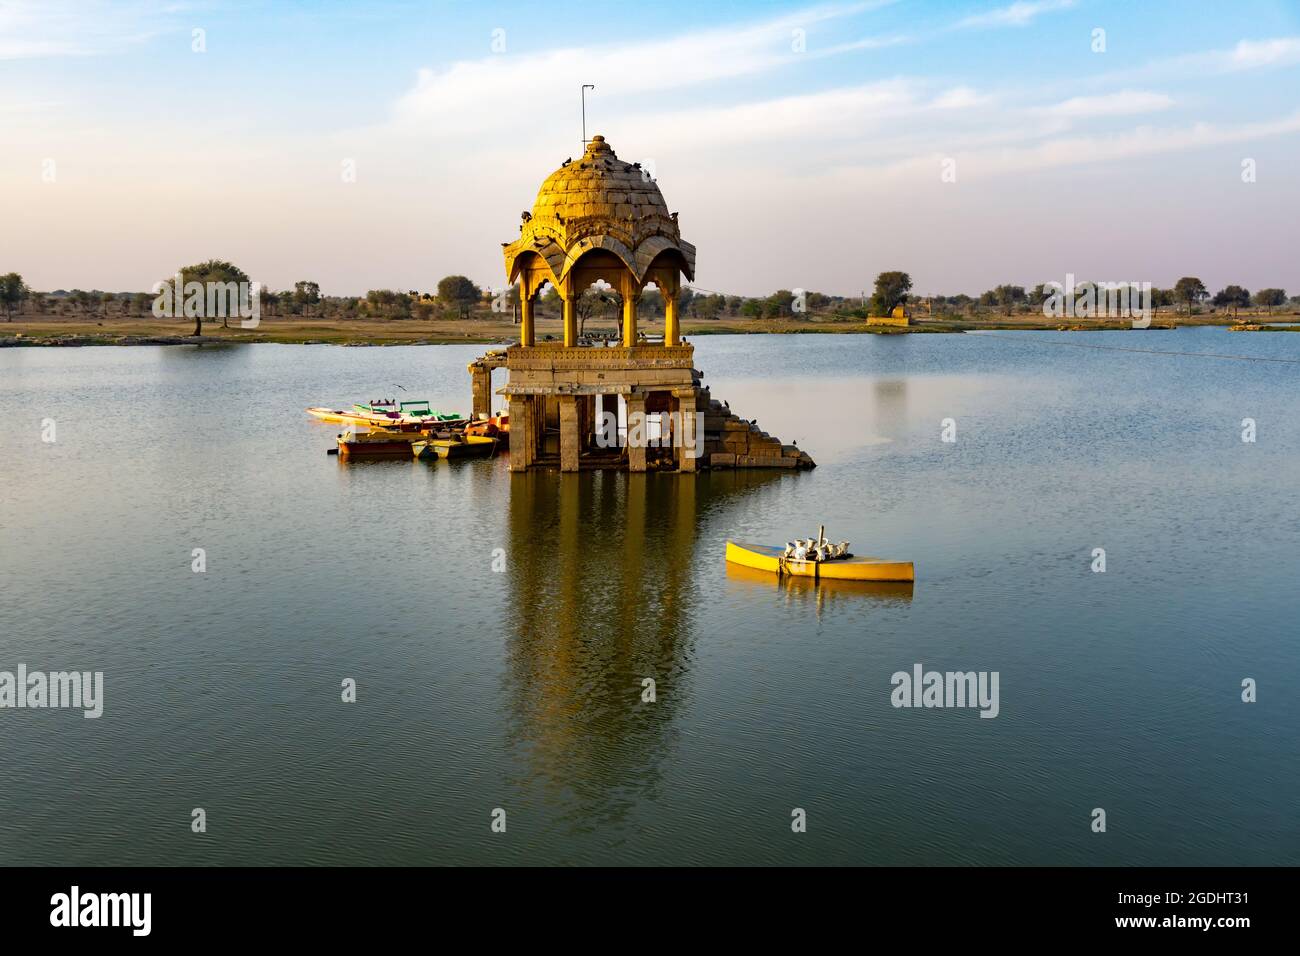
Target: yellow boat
(764,557)
(335,415)
(465,446)
(386,415)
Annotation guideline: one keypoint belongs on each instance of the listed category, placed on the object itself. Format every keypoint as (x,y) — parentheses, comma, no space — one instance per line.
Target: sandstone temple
(601,218)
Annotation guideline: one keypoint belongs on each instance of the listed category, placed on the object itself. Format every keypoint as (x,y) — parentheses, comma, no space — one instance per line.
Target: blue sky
(803,144)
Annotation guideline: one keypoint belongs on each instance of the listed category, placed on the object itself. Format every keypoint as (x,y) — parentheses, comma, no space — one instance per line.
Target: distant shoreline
(44,331)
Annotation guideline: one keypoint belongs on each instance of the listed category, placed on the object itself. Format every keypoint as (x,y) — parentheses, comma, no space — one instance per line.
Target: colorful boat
(389,414)
(464,446)
(498,427)
(404,411)
(851,567)
(335,415)
(376,443)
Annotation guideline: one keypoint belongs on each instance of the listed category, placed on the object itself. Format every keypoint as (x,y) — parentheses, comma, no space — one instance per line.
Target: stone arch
(596,252)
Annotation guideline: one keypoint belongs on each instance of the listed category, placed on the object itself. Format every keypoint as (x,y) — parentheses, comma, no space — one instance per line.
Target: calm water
(521,690)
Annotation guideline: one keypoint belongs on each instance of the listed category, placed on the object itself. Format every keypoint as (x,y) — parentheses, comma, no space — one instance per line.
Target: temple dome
(599,203)
(599,185)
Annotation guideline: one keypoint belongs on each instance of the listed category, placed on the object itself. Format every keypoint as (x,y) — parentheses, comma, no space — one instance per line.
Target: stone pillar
(636,427)
(629,320)
(586,420)
(481,380)
(570,320)
(527,331)
(692,440)
(672,328)
(523,438)
(570,435)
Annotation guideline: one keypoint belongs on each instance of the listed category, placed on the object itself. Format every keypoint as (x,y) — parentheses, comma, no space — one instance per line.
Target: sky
(387,144)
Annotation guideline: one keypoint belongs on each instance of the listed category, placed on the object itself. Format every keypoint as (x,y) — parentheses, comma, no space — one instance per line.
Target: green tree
(459,293)
(402,303)
(269,300)
(12,293)
(1190,290)
(1270,298)
(708,306)
(1231,297)
(1039,296)
(595,301)
(210,270)
(1161,299)
(305,295)
(685,296)
(379,301)
(1009,296)
(779,303)
(891,291)
(651,305)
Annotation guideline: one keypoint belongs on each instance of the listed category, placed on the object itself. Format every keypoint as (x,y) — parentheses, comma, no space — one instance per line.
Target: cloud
(960,98)
(844,111)
(57,28)
(1143,141)
(866,43)
(841,113)
(1254,54)
(1246,55)
(479,92)
(1016,15)
(1124,103)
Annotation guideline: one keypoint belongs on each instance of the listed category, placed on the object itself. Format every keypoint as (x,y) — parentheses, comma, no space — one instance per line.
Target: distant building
(898,317)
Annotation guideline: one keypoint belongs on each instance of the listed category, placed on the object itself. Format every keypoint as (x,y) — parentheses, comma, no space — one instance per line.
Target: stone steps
(734,442)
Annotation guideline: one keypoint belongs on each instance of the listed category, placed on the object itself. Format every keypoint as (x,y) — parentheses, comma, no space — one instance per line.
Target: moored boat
(463,446)
(388,414)
(334,415)
(497,426)
(412,411)
(849,567)
(376,443)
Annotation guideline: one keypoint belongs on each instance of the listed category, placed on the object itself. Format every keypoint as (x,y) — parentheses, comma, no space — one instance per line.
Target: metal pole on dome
(583,93)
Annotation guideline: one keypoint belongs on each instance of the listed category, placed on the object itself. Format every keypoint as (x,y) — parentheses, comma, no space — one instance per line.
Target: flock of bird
(815,549)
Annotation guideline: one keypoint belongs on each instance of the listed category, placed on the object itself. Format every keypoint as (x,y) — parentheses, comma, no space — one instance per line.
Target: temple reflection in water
(604,579)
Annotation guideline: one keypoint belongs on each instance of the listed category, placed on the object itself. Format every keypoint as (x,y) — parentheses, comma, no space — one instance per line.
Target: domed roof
(599,202)
(599,184)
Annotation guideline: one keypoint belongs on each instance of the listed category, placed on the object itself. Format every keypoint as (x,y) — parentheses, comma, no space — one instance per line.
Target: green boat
(405,413)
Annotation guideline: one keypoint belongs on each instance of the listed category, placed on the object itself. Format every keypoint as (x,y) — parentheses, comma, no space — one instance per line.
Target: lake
(521,688)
